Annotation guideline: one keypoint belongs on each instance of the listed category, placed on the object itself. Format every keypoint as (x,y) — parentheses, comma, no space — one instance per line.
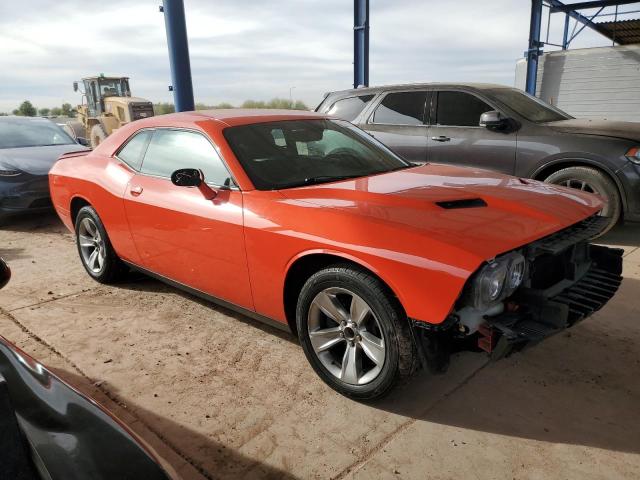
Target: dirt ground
(221,396)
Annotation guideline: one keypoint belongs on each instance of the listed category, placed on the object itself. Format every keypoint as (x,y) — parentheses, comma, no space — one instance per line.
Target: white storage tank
(597,83)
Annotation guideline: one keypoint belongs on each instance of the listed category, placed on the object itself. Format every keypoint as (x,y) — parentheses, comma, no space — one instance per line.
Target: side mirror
(82,141)
(187,177)
(192,177)
(5,273)
(492,119)
(75,86)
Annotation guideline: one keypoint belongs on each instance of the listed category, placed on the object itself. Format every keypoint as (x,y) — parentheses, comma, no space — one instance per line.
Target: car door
(456,137)
(178,232)
(398,121)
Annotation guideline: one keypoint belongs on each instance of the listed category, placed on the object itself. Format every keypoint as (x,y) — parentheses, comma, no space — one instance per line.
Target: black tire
(595,181)
(111,269)
(400,357)
(98,135)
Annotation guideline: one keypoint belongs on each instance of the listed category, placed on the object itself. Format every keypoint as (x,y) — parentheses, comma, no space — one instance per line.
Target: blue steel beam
(569,9)
(360,43)
(534,46)
(592,4)
(176,26)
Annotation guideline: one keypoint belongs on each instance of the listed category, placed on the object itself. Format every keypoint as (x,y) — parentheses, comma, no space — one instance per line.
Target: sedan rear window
(294,153)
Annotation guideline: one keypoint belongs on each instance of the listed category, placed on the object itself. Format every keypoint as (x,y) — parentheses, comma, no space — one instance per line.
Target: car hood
(484,213)
(35,160)
(608,128)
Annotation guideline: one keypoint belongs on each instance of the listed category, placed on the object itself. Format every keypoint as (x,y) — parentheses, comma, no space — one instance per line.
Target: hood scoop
(463,203)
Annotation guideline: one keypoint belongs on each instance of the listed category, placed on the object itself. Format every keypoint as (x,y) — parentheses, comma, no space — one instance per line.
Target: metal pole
(565,37)
(360,43)
(177,42)
(534,46)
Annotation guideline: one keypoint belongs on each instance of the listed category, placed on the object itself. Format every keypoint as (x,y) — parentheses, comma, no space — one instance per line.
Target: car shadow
(46,222)
(139,282)
(627,235)
(174,442)
(579,387)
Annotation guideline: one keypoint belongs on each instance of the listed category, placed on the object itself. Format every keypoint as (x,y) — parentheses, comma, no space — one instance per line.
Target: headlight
(497,280)
(634,155)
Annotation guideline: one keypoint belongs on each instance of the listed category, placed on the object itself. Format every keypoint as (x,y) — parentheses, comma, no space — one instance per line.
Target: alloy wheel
(92,245)
(580,184)
(346,336)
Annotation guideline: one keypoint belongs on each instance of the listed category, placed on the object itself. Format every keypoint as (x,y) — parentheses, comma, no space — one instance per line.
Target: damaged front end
(525,296)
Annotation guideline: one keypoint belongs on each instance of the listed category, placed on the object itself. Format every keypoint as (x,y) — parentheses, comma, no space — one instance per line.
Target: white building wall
(598,83)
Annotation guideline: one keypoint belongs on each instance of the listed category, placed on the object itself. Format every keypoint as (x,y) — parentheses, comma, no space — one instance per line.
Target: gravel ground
(221,396)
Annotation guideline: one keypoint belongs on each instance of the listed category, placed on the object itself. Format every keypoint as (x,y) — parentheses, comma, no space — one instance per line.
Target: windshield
(118,87)
(36,133)
(530,107)
(293,153)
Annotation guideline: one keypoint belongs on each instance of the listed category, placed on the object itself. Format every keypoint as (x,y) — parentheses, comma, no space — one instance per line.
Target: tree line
(279,103)
(26,109)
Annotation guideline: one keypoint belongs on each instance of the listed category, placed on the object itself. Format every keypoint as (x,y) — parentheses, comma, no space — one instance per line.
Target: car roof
(15,119)
(407,86)
(230,117)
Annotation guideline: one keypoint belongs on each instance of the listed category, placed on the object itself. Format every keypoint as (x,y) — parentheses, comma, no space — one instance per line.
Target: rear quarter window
(349,108)
(134,149)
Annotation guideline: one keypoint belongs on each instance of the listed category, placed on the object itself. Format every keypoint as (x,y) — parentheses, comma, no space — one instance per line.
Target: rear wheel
(96,252)
(591,180)
(98,135)
(354,333)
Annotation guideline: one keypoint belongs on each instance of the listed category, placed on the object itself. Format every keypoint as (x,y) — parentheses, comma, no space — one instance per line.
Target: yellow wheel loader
(106,105)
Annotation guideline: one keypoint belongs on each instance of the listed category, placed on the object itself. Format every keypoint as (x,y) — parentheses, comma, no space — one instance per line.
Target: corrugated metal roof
(624,32)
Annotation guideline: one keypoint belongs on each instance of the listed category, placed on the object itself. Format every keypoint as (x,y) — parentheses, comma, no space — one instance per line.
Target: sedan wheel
(353,332)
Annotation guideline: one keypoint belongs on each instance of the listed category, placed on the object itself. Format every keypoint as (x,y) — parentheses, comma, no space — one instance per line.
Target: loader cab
(96,89)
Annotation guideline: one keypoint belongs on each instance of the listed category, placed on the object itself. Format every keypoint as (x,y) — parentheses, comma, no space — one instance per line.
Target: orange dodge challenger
(308,223)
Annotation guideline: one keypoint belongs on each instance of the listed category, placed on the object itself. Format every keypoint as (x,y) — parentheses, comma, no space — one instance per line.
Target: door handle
(441,138)
(135,191)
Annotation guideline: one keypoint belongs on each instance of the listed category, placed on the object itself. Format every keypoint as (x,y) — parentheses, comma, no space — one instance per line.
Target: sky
(259,49)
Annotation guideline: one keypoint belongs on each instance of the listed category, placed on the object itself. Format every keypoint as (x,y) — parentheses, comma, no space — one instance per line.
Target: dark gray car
(29,146)
(503,129)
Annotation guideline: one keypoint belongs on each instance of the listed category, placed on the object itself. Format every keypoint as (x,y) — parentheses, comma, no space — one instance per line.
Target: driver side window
(170,150)
(459,109)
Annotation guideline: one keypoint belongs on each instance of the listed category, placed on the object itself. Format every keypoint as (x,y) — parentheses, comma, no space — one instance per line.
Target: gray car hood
(608,128)
(35,160)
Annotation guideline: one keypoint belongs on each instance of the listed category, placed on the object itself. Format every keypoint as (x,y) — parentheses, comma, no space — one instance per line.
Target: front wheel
(97,135)
(592,180)
(354,333)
